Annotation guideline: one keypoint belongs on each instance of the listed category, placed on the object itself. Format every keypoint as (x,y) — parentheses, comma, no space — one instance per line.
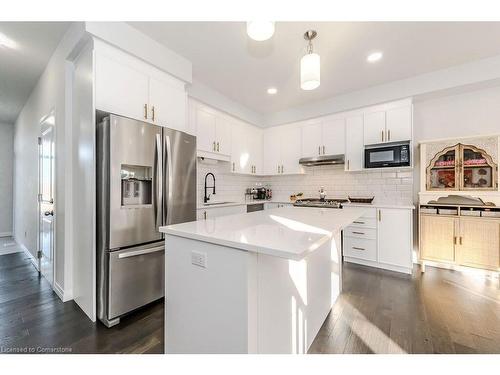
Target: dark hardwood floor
(439,311)
(379,312)
(33,318)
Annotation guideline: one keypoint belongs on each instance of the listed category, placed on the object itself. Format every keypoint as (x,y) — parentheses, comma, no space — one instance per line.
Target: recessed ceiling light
(7,42)
(375,56)
(260,30)
(272,90)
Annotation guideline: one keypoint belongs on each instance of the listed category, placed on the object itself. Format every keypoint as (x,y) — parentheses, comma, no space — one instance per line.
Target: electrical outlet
(199,259)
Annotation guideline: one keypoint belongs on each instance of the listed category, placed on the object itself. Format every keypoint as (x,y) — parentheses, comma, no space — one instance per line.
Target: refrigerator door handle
(157,181)
(168,192)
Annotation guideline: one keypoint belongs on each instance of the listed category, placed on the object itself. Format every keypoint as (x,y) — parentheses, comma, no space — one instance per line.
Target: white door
(223,135)
(205,131)
(167,105)
(120,89)
(394,237)
(333,138)
(311,140)
(290,150)
(272,152)
(354,147)
(398,124)
(374,128)
(46,173)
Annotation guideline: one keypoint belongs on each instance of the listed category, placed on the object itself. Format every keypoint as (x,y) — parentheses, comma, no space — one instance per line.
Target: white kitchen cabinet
(223,135)
(323,138)
(121,89)
(255,137)
(312,140)
(398,124)
(354,147)
(205,130)
(211,212)
(382,238)
(246,149)
(167,104)
(395,237)
(391,125)
(282,150)
(374,127)
(128,87)
(334,137)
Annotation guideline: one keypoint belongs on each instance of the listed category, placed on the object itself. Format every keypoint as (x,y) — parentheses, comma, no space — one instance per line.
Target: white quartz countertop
(214,204)
(282,232)
(380,205)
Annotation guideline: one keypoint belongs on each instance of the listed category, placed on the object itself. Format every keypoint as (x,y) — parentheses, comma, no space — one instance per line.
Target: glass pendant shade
(260,30)
(310,71)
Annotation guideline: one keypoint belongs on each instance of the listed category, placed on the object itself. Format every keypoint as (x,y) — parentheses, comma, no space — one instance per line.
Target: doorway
(46,194)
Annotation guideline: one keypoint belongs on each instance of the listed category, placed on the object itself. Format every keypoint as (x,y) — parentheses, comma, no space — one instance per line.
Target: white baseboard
(33,260)
(5,234)
(384,266)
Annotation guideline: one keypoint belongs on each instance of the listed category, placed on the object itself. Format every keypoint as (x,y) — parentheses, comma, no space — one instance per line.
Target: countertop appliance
(320,203)
(261,193)
(393,155)
(146,178)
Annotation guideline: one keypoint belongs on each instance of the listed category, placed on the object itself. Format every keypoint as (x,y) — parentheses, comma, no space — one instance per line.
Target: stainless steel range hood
(322,160)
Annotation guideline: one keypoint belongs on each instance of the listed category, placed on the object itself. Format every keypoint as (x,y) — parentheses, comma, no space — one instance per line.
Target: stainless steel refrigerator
(146,178)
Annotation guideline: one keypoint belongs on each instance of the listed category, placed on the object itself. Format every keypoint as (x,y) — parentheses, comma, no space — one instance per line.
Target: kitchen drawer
(370,213)
(364,222)
(360,248)
(367,233)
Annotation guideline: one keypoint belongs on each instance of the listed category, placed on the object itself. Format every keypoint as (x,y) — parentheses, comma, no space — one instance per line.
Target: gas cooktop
(321,203)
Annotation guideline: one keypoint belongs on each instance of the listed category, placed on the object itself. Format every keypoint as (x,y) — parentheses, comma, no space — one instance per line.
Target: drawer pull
(358,248)
(357,232)
(358,222)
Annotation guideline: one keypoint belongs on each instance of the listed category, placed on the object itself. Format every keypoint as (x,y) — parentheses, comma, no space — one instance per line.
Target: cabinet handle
(358,222)
(233,166)
(460,240)
(205,215)
(319,150)
(455,240)
(153,113)
(358,248)
(146,111)
(348,165)
(382,136)
(379,215)
(217,146)
(213,146)
(358,232)
(278,169)
(323,150)
(282,169)
(389,135)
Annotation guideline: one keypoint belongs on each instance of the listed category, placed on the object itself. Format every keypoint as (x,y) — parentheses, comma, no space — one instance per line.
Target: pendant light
(310,65)
(260,30)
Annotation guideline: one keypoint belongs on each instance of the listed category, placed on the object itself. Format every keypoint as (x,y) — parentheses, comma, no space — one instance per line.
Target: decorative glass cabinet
(462,167)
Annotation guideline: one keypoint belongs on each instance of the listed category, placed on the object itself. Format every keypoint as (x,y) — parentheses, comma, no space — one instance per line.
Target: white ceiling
(225,59)
(20,67)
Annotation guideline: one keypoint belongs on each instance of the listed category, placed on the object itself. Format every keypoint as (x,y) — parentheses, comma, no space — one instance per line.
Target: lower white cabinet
(382,238)
(211,212)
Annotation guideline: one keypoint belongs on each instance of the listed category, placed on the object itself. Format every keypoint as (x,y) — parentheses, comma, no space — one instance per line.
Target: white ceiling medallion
(260,30)
(310,65)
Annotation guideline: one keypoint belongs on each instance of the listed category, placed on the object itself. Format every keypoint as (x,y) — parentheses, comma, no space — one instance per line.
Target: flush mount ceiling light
(310,65)
(272,90)
(7,42)
(374,57)
(260,30)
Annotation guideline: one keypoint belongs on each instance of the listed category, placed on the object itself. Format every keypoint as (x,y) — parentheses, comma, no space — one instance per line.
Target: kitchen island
(260,282)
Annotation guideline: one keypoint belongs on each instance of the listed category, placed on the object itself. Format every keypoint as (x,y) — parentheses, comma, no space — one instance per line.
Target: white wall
(6,177)
(48,94)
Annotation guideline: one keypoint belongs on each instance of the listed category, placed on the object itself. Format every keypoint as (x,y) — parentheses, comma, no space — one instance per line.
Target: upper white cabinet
(129,87)
(354,143)
(282,150)
(323,138)
(213,131)
(246,150)
(388,125)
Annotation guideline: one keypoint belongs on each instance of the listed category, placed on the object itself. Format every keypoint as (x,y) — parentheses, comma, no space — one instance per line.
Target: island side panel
(295,298)
(206,309)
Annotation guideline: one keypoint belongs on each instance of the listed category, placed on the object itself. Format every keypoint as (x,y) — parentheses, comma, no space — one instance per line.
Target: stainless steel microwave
(394,155)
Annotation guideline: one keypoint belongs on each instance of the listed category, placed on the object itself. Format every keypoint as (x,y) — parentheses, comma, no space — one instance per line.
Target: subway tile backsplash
(387,187)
